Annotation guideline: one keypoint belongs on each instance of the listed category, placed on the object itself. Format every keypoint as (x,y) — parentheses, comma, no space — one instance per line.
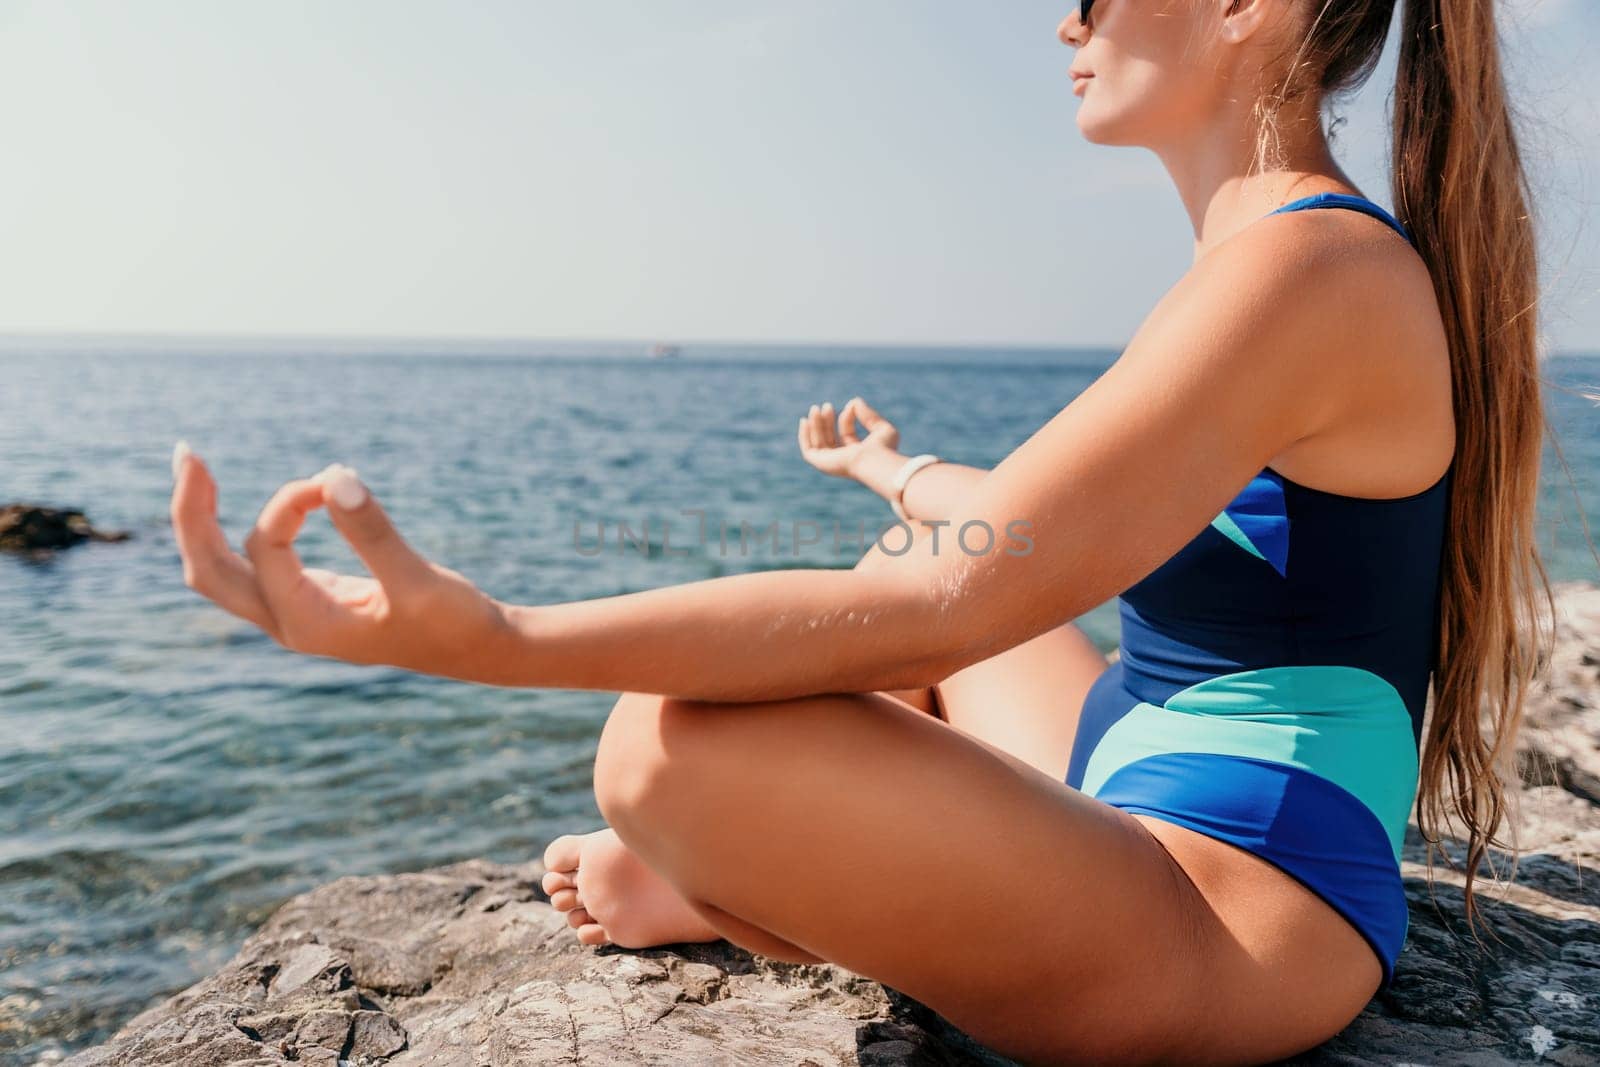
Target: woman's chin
(1102,129)
(1092,128)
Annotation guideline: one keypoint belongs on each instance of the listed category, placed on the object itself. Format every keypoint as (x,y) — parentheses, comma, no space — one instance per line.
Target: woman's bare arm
(767,635)
(932,493)
(1233,367)
(1258,348)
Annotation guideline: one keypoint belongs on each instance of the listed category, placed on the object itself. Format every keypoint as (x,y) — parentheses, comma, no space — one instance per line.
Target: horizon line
(514,339)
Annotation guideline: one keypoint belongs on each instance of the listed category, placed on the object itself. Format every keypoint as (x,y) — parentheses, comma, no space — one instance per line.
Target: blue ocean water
(169,775)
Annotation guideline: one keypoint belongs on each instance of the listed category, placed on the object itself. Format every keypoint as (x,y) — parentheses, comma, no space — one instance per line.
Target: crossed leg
(1045,923)
(942,854)
(1024,701)
(856,829)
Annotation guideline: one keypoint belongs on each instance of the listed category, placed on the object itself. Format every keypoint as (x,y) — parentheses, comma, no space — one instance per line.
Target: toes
(555,881)
(565,900)
(592,934)
(578,917)
(562,853)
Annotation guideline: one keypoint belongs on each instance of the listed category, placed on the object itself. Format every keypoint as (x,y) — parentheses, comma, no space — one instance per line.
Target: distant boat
(663,351)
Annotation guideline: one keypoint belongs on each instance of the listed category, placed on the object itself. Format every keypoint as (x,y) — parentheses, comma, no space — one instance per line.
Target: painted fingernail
(345,488)
(179,450)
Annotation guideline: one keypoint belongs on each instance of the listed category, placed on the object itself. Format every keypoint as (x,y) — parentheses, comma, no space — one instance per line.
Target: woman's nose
(1072,30)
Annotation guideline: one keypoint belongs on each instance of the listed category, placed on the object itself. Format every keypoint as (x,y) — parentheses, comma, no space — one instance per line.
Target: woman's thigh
(1044,922)
(1026,700)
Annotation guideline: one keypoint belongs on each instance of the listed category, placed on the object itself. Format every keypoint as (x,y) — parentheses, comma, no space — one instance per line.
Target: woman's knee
(649,758)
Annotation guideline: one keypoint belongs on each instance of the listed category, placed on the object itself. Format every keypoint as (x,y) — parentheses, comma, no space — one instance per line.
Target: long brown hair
(1460,189)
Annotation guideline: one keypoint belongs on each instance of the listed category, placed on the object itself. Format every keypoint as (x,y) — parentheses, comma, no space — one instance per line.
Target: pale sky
(881,171)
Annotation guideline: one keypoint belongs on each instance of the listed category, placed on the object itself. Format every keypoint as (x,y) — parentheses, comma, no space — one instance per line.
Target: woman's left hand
(411,613)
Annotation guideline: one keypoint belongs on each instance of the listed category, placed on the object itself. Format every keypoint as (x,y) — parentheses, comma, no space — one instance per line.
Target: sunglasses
(1084,7)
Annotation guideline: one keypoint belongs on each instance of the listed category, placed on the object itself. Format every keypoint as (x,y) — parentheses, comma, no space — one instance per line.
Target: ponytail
(1460,187)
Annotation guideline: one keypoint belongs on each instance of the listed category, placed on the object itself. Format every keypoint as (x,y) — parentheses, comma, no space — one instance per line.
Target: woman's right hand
(836,449)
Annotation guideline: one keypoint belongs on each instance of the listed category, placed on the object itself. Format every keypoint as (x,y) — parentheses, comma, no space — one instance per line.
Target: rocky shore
(468,965)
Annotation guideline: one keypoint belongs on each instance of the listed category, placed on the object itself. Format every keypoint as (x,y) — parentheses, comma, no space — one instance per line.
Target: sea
(169,775)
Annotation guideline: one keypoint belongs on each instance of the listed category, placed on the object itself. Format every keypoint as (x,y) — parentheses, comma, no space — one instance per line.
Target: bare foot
(610,895)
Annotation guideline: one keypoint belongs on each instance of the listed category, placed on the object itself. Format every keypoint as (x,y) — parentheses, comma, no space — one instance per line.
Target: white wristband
(897,487)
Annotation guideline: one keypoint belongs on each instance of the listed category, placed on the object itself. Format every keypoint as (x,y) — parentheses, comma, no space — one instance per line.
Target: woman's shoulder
(1359,303)
(1316,285)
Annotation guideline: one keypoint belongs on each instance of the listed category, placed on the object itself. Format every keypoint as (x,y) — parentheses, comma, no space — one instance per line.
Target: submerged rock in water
(468,964)
(25,527)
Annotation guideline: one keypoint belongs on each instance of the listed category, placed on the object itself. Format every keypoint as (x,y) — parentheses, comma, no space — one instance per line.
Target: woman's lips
(1079,81)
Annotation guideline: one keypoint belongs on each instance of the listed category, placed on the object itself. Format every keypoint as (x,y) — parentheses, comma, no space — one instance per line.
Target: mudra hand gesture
(836,449)
(411,613)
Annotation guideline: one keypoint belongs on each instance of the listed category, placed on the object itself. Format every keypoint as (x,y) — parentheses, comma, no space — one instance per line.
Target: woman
(920,769)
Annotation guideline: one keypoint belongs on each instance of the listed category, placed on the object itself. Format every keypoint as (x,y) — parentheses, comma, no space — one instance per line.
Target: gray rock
(35,528)
(468,965)
(508,984)
(1559,743)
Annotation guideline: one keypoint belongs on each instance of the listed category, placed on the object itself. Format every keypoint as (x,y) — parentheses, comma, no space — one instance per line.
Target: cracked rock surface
(468,965)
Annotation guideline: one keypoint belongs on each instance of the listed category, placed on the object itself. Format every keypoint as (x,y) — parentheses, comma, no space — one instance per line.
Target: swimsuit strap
(1358,203)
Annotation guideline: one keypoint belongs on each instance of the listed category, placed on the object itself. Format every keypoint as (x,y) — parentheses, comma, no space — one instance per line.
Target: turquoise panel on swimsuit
(1342,723)
(1257,521)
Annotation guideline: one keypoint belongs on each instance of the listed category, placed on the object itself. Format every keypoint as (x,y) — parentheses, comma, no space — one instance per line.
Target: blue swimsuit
(1272,678)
